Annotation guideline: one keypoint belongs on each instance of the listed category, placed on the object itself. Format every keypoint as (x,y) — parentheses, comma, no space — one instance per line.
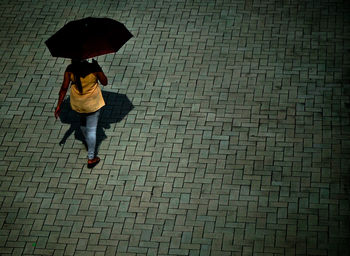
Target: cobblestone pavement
(238,142)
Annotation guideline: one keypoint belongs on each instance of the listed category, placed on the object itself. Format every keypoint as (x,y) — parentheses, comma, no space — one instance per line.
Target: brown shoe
(93,162)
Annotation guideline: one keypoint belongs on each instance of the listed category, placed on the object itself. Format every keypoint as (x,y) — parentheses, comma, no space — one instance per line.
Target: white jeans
(88,125)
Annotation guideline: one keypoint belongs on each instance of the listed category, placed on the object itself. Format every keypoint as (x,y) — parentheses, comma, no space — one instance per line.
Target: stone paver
(238,142)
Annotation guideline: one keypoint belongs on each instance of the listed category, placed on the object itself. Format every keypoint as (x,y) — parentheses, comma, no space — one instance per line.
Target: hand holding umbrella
(98,67)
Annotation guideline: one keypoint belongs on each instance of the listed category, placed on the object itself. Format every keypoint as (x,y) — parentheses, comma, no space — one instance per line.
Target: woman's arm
(102,78)
(99,73)
(62,93)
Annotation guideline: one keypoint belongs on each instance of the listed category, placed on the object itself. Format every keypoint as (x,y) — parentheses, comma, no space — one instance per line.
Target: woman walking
(85,98)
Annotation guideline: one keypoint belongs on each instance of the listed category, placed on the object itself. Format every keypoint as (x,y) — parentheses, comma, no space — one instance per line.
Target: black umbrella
(87,38)
(117,107)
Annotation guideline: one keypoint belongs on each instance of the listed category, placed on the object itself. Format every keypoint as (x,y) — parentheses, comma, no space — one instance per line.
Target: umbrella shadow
(116,108)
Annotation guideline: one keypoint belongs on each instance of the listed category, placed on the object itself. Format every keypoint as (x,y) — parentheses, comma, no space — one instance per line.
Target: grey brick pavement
(238,143)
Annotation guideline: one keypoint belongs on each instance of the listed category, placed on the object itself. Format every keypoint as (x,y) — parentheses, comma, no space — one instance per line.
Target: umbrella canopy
(88,38)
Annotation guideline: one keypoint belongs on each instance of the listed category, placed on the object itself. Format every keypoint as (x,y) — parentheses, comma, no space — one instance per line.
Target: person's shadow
(116,108)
